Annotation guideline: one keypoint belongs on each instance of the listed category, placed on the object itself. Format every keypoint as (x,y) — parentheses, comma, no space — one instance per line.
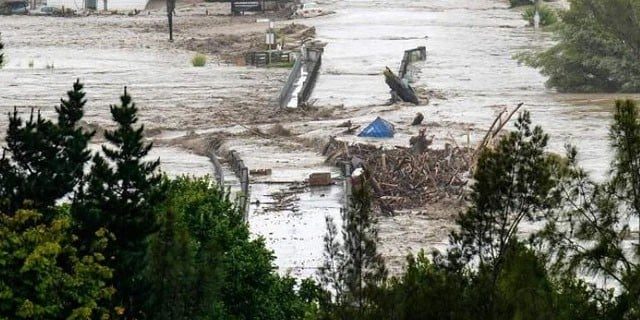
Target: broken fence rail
(242,172)
(217,167)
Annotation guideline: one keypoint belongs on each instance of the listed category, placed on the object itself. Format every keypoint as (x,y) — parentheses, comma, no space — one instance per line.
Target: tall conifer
(121,191)
(354,269)
(45,160)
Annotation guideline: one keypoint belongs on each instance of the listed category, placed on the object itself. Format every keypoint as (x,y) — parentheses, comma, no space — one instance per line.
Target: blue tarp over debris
(379,128)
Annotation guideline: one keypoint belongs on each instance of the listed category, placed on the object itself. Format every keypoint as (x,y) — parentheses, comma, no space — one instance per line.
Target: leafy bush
(518,3)
(547,14)
(43,276)
(199,60)
(205,266)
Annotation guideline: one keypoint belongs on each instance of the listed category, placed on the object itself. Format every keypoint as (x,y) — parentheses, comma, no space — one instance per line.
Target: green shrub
(518,3)
(548,15)
(204,264)
(199,60)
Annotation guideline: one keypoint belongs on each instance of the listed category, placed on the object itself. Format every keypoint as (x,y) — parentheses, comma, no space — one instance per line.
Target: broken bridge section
(409,57)
(302,78)
(400,88)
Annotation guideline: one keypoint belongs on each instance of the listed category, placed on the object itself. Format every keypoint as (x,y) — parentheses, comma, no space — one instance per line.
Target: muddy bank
(231,48)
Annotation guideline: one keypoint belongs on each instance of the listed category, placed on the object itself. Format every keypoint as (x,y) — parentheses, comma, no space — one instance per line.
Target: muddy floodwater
(469,71)
(470,45)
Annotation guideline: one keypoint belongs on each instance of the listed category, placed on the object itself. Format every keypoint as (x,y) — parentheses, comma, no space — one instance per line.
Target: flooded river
(470,45)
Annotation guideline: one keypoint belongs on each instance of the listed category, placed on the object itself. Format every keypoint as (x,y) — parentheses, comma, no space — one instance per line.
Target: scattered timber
(410,178)
(403,179)
(496,127)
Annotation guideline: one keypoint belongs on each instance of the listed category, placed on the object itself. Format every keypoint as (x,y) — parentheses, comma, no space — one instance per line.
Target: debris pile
(403,178)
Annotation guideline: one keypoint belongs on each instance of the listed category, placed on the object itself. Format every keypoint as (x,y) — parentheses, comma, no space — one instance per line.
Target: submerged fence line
(241,171)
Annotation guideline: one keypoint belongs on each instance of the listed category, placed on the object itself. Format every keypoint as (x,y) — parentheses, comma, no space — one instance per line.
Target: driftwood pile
(408,178)
(402,178)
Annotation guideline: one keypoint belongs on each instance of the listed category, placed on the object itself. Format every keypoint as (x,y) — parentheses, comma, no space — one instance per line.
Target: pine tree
(330,272)
(515,182)
(121,192)
(625,137)
(593,231)
(358,269)
(46,159)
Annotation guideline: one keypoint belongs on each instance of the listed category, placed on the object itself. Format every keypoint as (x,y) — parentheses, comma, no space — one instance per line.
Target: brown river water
(470,45)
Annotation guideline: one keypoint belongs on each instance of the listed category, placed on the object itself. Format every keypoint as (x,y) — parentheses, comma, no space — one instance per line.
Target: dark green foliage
(46,159)
(625,139)
(547,14)
(42,275)
(171,273)
(426,291)
(522,290)
(204,266)
(122,190)
(353,269)
(598,48)
(591,232)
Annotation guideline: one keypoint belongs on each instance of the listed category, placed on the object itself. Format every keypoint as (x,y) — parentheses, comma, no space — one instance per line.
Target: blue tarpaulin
(379,128)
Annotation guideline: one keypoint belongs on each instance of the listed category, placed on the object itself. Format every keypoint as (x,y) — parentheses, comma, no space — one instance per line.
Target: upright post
(171,7)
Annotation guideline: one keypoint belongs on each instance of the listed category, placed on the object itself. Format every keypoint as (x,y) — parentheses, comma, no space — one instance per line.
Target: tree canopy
(598,48)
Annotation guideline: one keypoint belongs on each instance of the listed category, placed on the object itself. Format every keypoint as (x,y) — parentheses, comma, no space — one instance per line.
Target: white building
(99,4)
